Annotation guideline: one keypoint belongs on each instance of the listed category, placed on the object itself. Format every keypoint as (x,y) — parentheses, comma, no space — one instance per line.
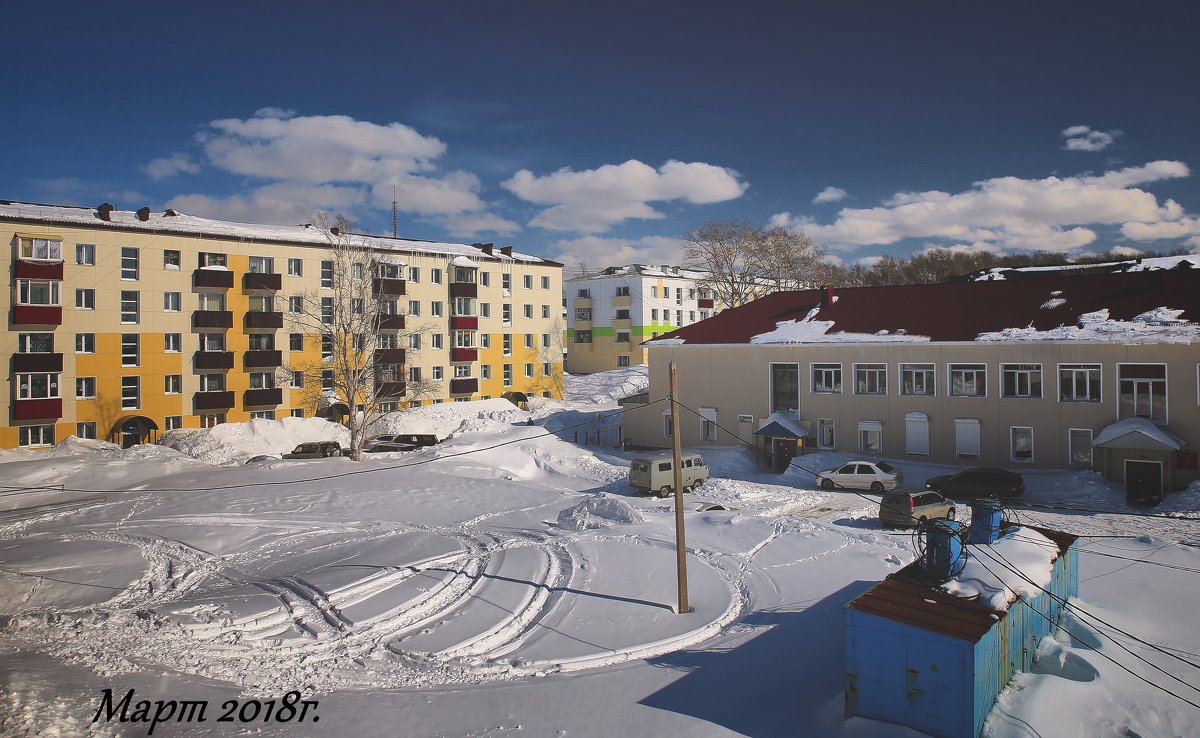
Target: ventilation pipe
(143,214)
(105,212)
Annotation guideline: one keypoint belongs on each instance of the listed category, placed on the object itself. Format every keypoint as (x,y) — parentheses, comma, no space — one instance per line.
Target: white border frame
(854,380)
(1041,385)
(900,377)
(812,384)
(771,386)
(950,381)
(1091,449)
(1058,382)
(1012,447)
(1166,383)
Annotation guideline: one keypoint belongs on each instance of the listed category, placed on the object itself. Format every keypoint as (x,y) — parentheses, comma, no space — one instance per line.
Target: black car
(978,482)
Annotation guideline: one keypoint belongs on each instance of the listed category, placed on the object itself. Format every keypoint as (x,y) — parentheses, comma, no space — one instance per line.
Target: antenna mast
(395,231)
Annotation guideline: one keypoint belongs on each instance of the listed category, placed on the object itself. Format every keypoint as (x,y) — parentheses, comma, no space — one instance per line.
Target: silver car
(876,476)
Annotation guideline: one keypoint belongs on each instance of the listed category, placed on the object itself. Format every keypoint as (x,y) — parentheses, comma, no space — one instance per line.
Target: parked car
(261,459)
(909,509)
(978,482)
(657,473)
(315,450)
(386,444)
(859,474)
(417,439)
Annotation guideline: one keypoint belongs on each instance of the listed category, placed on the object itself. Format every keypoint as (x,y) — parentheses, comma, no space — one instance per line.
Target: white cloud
(1083,138)
(592,200)
(1181,228)
(276,203)
(1120,250)
(868,261)
(470,225)
(169,166)
(598,252)
(270,112)
(1053,213)
(830,194)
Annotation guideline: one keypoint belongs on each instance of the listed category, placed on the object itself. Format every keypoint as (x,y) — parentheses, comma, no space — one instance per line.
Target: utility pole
(680,546)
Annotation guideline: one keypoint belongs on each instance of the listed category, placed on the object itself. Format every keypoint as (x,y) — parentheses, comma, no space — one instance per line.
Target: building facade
(610,314)
(936,373)
(123,324)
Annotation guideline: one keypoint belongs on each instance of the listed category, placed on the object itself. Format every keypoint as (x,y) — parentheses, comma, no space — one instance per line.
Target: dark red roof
(959,311)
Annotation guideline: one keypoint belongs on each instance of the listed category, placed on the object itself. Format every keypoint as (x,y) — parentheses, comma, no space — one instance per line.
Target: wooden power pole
(680,546)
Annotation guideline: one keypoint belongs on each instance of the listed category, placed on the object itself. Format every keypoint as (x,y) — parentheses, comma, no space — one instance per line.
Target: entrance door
(1143,481)
(785,451)
(131,434)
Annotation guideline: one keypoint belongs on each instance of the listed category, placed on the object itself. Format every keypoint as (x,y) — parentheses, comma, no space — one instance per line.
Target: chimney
(506,250)
(336,231)
(484,247)
(827,300)
(143,214)
(171,213)
(105,212)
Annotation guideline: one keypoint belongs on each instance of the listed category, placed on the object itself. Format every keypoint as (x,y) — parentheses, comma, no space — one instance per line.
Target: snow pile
(605,388)
(987,573)
(808,330)
(234,443)
(598,512)
(450,418)
(1160,325)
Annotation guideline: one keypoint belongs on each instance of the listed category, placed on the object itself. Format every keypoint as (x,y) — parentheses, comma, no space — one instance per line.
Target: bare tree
(786,259)
(356,319)
(725,251)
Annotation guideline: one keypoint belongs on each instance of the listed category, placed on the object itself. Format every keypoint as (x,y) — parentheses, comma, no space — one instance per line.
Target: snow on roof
(643,270)
(390,259)
(462,261)
(172,221)
(788,422)
(1023,549)
(1160,325)
(1136,433)
(808,330)
(1153,263)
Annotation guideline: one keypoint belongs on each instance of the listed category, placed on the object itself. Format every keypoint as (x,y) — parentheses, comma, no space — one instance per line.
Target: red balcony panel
(389,357)
(262,281)
(705,304)
(39,269)
(464,322)
(464,386)
(464,289)
(37,315)
(37,409)
(212,400)
(212,319)
(213,360)
(390,322)
(220,278)
(262,359)
(22,363)
(464,354)
(389,389)
(264,320)
(258,397)
(389,286)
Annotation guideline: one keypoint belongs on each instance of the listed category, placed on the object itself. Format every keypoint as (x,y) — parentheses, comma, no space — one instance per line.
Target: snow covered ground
(504,582)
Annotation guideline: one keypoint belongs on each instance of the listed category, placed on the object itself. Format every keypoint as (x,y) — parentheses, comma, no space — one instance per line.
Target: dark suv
(978,482)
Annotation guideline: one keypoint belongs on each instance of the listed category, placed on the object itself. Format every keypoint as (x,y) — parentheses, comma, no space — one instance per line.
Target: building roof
(175,223)
(1137,433)
(642,270)
(1122,307)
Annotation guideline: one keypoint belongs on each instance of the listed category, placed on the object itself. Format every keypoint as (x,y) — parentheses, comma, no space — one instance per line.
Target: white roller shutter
(916,434)
(966,437)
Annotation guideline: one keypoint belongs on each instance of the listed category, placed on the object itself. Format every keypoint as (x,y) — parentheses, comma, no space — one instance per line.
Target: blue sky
(601,132)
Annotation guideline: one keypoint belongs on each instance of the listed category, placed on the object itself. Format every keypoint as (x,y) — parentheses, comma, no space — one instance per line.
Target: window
(623,314)
(1021,444)
(485,279)
(171,260)
(966,438)
(326,274)
(211,301)
(295,267)
(385,341)
(129,262)
(435,340)
(261,265)
(85,343)
(968,380)
(529,340)
(485,340)
(1021,380)
(131,393)
(435,276)
(172,343)
(45,292)
(130,349)
(212,420)
(295,304)
(623,291)
(785,387)
(173,384)
(414,341)
(545,311)
(131,306)
(211,259)
(297,379)
(85,254)
(654,291)
(917,379)
(654,315)
(297,412)
(485,371)
(41,249)
(870,436)
(326,347)
(870,379)
(583,313)
(464,274)
(212,341)
(464,306)
(35,343)
(435,309)
(172,302)
(508,375)
(85,430)
(485,310)
(583,336)
(35,435)
(545,283)
(464,339)
(622,337)
(508,344)
(414,307)
(1142,391)
(85,388)
(1079,442)
(212,382)
(585,294)
(506,312)
(825,434)
(529,312)
(1079,382)
(462,371)
(622,361)
(356,306)
(708,426)
(261,304)
(529,371)
(691,316)
(414,374)
(546,369)
(262,380)
(827,378)
(327,310)
(668,431)
(506,281)
(262,414)
(295,342)
(678,296)
(527,281)
(173,422)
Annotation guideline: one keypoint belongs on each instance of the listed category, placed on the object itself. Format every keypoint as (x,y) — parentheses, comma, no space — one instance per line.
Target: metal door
(935,681)
(1143,480)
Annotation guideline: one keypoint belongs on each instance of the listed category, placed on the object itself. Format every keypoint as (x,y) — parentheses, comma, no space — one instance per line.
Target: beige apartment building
(124,324)
(1087,372)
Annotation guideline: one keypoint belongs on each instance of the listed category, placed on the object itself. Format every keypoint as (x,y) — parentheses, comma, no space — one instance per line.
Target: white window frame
(134,402)
(54,292)
(826,366)
(1012,444)
(1166,381)
(771,383)
(1076,367)
(1020,371)
(871,368)
(950,370)
(1091,450)
(822,424)
(870,426)
(295,267)
(172,302)
(927,370)
(86,390)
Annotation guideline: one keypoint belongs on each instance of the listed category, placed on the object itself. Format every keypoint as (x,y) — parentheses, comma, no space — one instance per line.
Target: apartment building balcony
(463,289)
(389,389)
(38,269)
(585,325)
(464,322)
(259,397)
(389,357)
(212,319)
(48,409)
(464,386)
(262,359)
(706,303)
(262,281)
(212,400)
(388,287)
(622,301)
(212,360)
(37,315)
(218,278)
(622,324)
(270,321)
(582,302)
(464,354)
(390,322)
(25,363)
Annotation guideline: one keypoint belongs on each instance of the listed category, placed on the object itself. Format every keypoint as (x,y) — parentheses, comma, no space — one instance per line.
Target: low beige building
(1026,373)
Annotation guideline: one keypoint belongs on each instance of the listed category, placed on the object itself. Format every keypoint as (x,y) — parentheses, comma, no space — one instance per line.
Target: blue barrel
(943,549)
(985,521)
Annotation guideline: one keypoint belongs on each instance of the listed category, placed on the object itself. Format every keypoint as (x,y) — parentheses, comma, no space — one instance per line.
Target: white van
(649,474)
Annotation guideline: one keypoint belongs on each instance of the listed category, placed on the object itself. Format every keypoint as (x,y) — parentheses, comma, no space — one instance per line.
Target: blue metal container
(943,549)
(985,521)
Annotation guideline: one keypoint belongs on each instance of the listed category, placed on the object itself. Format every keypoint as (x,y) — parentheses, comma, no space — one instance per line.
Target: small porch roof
(1137,433)
(781,425)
